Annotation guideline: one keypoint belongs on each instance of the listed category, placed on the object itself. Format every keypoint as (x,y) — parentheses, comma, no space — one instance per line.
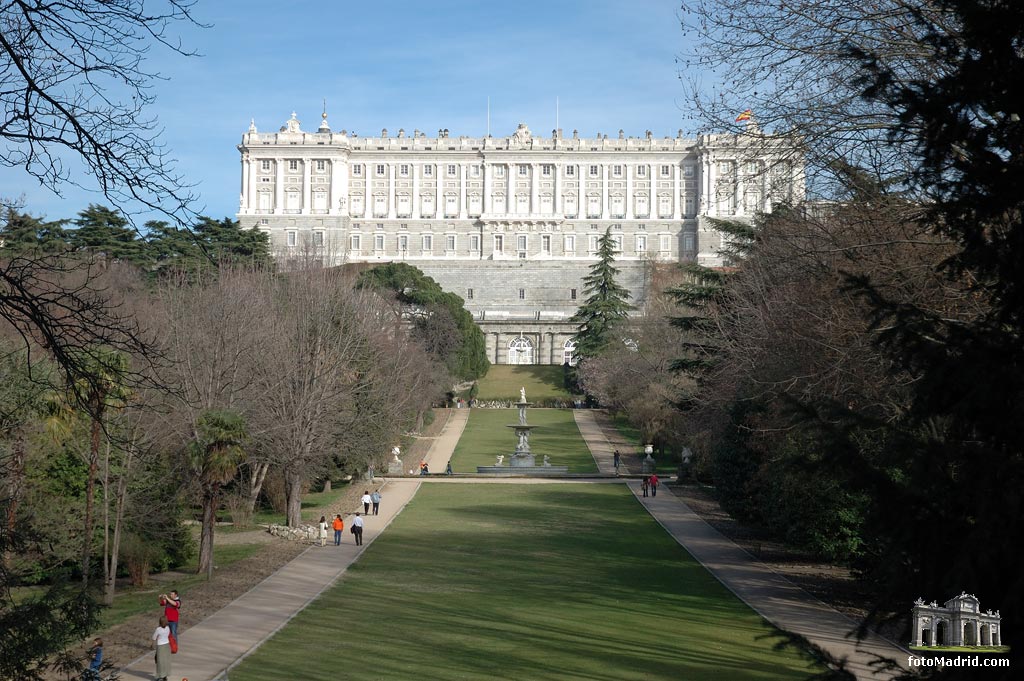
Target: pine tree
(606,305)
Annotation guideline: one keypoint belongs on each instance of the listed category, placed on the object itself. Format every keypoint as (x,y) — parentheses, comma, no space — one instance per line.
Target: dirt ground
(834,585)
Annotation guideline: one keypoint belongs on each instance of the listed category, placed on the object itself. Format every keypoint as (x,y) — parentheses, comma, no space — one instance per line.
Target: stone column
(278,186)
(556,203)
(390,175)
(415,191)
(332,191)
(497,347)
(488,189)
(676,192)
(463,180)
(629,193)
(244,204)
(439,190)
(534,189)
(604,190)
(581,201)
(307,185)
(510,200)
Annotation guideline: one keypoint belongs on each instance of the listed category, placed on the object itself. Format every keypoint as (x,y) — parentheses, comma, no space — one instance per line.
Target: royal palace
(509,223)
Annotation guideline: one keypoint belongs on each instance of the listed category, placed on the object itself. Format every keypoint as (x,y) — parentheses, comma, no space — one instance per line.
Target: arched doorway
(941,633)
(986,635)
(520,351)
(970,634)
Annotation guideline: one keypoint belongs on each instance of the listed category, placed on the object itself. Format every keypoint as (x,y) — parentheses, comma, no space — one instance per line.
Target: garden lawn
(532,582)
(556,435)
(503,382)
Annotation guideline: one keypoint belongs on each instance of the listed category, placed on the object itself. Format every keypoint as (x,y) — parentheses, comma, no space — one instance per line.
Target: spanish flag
(745,116)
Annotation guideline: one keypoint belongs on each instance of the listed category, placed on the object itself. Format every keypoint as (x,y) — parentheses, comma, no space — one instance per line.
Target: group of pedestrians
(165,636)
(338,525)
(650,482)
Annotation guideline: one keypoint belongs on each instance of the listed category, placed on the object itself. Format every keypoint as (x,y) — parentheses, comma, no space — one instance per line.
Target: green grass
(503,381)
(537,582)
(131,602)
(313,505)
(556,435)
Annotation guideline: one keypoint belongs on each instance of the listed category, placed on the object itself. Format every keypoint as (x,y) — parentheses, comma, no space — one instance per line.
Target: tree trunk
(90,488)
(293,497)
(327,485)
(206,536)
(120,501)
(257,474)
(15,481)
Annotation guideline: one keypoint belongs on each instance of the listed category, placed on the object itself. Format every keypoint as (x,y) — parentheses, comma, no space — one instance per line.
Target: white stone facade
(478,213)
(958,622)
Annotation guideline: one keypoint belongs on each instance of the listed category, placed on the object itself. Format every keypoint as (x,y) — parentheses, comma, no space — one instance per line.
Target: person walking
(448,468)
(375,498)
(366,500)
(172,610)
(357,529)
(95,661)
(323,530)
(338,525)
(645,485)
(616,460)
(654,485)
(162,643)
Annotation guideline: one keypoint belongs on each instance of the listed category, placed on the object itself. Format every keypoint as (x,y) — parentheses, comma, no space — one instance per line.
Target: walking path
(214,645)
(771,595)
(600,448)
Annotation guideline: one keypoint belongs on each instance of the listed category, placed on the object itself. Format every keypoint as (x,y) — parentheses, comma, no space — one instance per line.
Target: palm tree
(214,457)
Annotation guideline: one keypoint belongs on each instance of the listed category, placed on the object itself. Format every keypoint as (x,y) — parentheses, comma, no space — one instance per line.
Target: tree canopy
(606,304)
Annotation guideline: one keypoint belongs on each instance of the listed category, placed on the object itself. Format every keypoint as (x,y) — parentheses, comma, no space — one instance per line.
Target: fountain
(522,461)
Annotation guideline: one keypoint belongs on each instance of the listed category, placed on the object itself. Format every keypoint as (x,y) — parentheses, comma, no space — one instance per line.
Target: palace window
(569,352)
(403,243)
(545,244)
(469,294)
(268,180)
(356,242)
(572,294)
(499,243)
(666,243)
(570,171)
(474,243)
(569,244)
(428,171)
(403,170)
(724,168)
(522,294)
(357,170)
(593,171)
(752,167)
(428,243)
(292,238)
(546,170)
(641,171)
(666,171)
(452,170)
(524,170)
(690,205)
(449,243)
(688,171)
(380,170)
(617,171)
(264,221)
(265,164)
(318,239)
(521,242)
(688,245)
(321,166)
(499,171)
(641,243)
(378,242)
(293,165)
(593,245)
(474,171)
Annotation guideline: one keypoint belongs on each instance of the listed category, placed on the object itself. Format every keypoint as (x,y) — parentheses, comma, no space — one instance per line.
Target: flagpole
(488,115)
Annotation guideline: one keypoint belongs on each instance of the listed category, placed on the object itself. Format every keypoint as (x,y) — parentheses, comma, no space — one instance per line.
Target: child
(95,660)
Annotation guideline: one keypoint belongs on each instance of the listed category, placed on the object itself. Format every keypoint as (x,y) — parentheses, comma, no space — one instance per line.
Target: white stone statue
(522,395)
(501,458)
(547,460)
(396,451)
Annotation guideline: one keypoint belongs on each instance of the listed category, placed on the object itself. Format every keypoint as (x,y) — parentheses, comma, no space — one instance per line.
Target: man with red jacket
(654,485)
(172,606)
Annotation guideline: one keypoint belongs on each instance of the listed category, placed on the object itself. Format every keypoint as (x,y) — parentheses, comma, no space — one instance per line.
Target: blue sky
(393,64)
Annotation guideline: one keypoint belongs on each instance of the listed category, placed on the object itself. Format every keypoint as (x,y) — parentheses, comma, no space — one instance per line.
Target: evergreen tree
(105,232)
(959,447)
(23,233)
(441,319)
(606,305)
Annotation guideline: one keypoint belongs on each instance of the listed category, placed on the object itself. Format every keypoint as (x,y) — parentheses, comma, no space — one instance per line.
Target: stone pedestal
(395,467)
(648,465)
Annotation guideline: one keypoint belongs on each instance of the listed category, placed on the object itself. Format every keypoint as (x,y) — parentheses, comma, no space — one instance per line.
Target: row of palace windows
(518,243)
(522,294)
(617,170)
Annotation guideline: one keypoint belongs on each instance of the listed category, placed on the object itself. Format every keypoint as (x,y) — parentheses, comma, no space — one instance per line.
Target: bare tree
(74,91)
(793,64)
